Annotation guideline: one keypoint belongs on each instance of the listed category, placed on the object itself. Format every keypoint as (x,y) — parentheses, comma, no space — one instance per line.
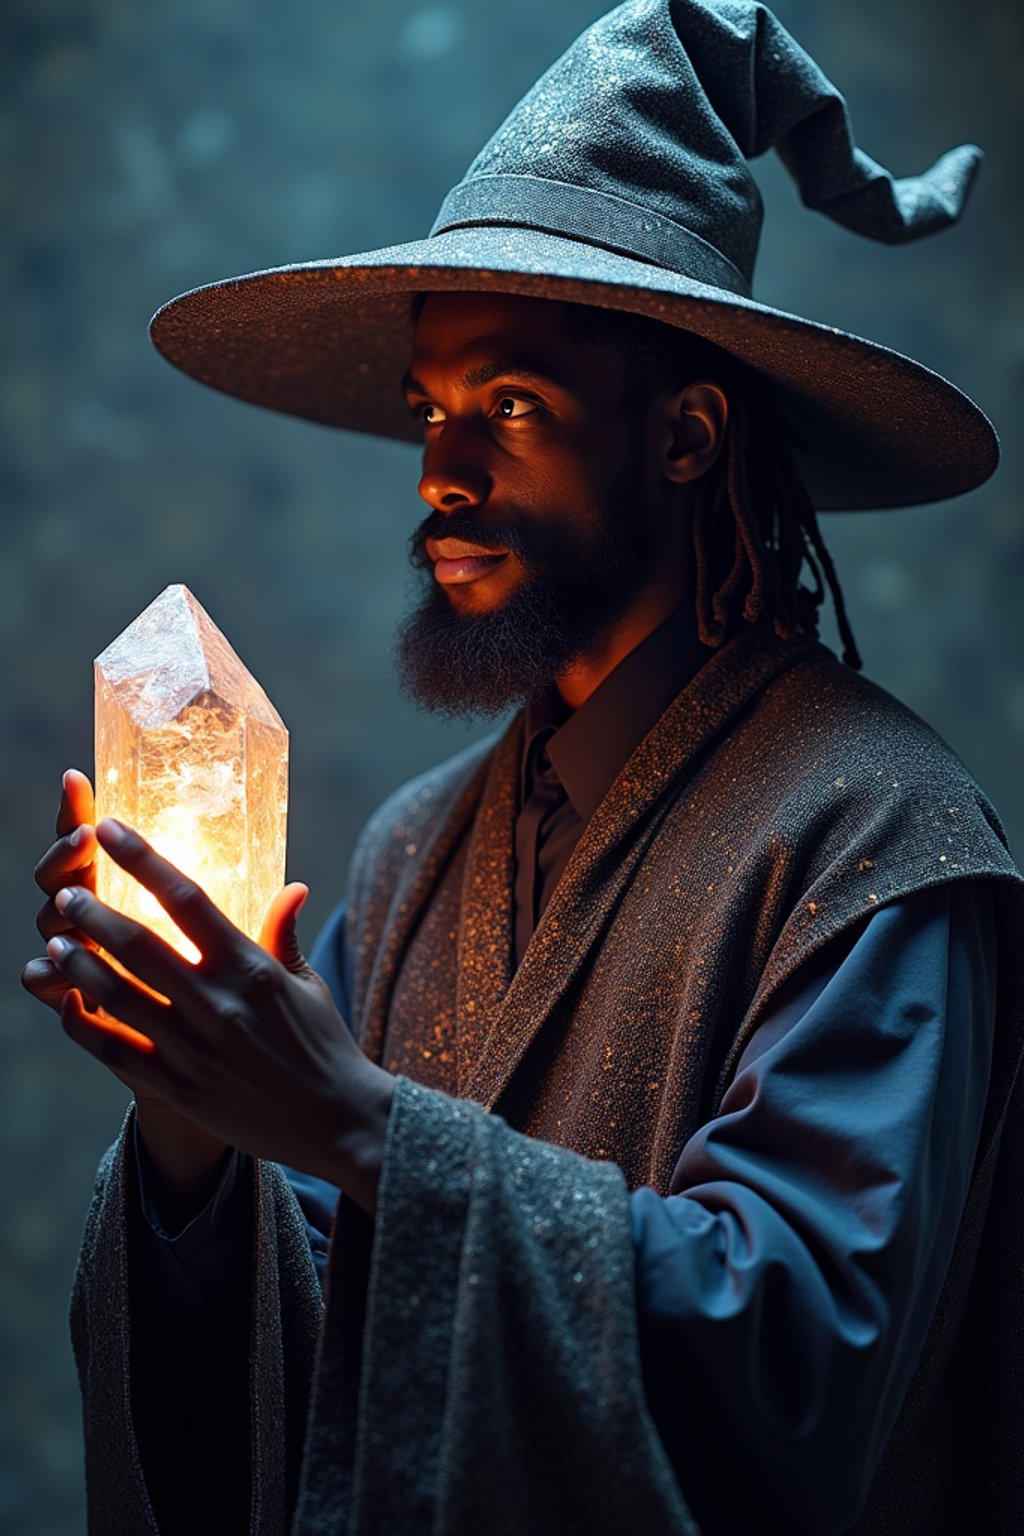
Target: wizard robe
(477,1366)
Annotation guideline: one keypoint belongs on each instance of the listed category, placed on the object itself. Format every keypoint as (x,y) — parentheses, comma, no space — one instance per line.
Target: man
(720,931)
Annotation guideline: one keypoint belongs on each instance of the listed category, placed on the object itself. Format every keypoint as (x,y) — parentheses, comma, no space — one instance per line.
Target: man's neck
(580,680)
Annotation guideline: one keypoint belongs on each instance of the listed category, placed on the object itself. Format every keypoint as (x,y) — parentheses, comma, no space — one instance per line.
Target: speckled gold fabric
(778,799)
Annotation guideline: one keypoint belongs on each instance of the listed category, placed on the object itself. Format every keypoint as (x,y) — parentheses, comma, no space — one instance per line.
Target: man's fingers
(68,861)
(72,858)
(49,921)
(190,907)
(278,935)
(116,995)
(142,954)
(117,1046)
(76,802)
(45,982)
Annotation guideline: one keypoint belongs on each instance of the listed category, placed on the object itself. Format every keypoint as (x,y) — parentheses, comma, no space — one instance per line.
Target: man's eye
(428,415)
(510,406)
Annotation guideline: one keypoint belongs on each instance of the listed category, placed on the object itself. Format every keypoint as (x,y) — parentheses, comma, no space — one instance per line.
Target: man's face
(539,538)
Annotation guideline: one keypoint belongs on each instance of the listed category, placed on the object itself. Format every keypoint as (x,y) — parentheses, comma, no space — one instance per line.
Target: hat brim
(330,340)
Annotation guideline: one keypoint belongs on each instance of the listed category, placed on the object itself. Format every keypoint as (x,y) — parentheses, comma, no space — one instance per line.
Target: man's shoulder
(853,775)
(841,719)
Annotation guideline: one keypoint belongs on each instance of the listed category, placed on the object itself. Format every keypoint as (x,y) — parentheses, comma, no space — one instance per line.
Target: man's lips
(455,560)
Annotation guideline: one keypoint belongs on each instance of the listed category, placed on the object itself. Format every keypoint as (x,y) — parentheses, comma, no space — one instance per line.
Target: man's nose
(453,475)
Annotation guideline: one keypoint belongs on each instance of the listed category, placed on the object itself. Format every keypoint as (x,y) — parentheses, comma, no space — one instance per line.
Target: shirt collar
(592,744)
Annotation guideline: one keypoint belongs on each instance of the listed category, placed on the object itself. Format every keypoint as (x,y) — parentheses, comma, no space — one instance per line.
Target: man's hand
(246,1043)
(71,860)
(185,1160)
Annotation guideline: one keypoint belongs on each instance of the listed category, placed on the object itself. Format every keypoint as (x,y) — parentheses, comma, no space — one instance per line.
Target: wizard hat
(621,181)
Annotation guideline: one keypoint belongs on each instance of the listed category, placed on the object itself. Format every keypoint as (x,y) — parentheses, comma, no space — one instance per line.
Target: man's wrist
(182,1164)
(357,1151)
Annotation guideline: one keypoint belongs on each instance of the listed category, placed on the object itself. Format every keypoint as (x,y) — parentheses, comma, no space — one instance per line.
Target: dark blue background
(149,148)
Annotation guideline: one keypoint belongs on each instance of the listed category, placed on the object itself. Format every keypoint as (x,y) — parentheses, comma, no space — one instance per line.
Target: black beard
(470,666)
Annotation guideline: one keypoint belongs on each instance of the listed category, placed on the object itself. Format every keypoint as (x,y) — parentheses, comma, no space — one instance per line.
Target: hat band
(598,218)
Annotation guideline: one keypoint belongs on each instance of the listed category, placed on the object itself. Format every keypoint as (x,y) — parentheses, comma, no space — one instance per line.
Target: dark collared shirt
(571,758)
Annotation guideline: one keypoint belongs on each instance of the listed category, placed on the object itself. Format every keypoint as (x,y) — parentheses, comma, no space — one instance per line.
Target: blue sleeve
(331,958)
(192,1271)
(786,1284)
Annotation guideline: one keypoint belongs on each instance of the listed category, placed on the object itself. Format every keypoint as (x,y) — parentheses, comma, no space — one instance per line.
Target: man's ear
(687,429)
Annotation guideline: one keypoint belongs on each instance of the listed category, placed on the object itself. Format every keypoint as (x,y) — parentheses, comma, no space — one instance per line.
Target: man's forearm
(357,1148)
(183,1162)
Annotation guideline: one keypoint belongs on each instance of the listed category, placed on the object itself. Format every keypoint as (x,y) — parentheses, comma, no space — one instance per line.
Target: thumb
(277,935)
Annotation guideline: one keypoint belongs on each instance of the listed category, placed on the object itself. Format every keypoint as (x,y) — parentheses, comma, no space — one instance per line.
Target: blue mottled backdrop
(150,148)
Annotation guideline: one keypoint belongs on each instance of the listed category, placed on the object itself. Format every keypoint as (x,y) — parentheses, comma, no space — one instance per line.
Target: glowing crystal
(190,752)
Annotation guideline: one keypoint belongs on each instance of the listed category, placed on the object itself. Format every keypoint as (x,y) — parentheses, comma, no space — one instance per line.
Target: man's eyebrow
(524,370)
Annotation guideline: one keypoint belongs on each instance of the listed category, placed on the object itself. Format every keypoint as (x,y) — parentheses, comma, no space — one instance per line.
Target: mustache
(463,525)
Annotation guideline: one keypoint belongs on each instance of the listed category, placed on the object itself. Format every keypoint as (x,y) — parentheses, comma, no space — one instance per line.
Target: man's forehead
(476,337)
(461,320)
(469,310)
(498,362)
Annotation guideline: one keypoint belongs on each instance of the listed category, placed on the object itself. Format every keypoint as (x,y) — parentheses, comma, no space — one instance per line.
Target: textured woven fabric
(774,803)
(777,799)
(286,1311)
(621,180)
(660,106)
(513,1312)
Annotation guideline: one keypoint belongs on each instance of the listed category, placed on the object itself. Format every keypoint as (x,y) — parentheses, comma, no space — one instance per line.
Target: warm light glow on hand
(250,1045)
(173,834)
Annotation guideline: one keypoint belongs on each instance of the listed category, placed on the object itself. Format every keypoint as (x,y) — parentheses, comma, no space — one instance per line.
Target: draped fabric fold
(285,1315)
(514,1313)
(758,819)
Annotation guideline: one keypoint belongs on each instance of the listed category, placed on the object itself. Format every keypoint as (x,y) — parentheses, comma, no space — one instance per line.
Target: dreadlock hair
(754,524)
